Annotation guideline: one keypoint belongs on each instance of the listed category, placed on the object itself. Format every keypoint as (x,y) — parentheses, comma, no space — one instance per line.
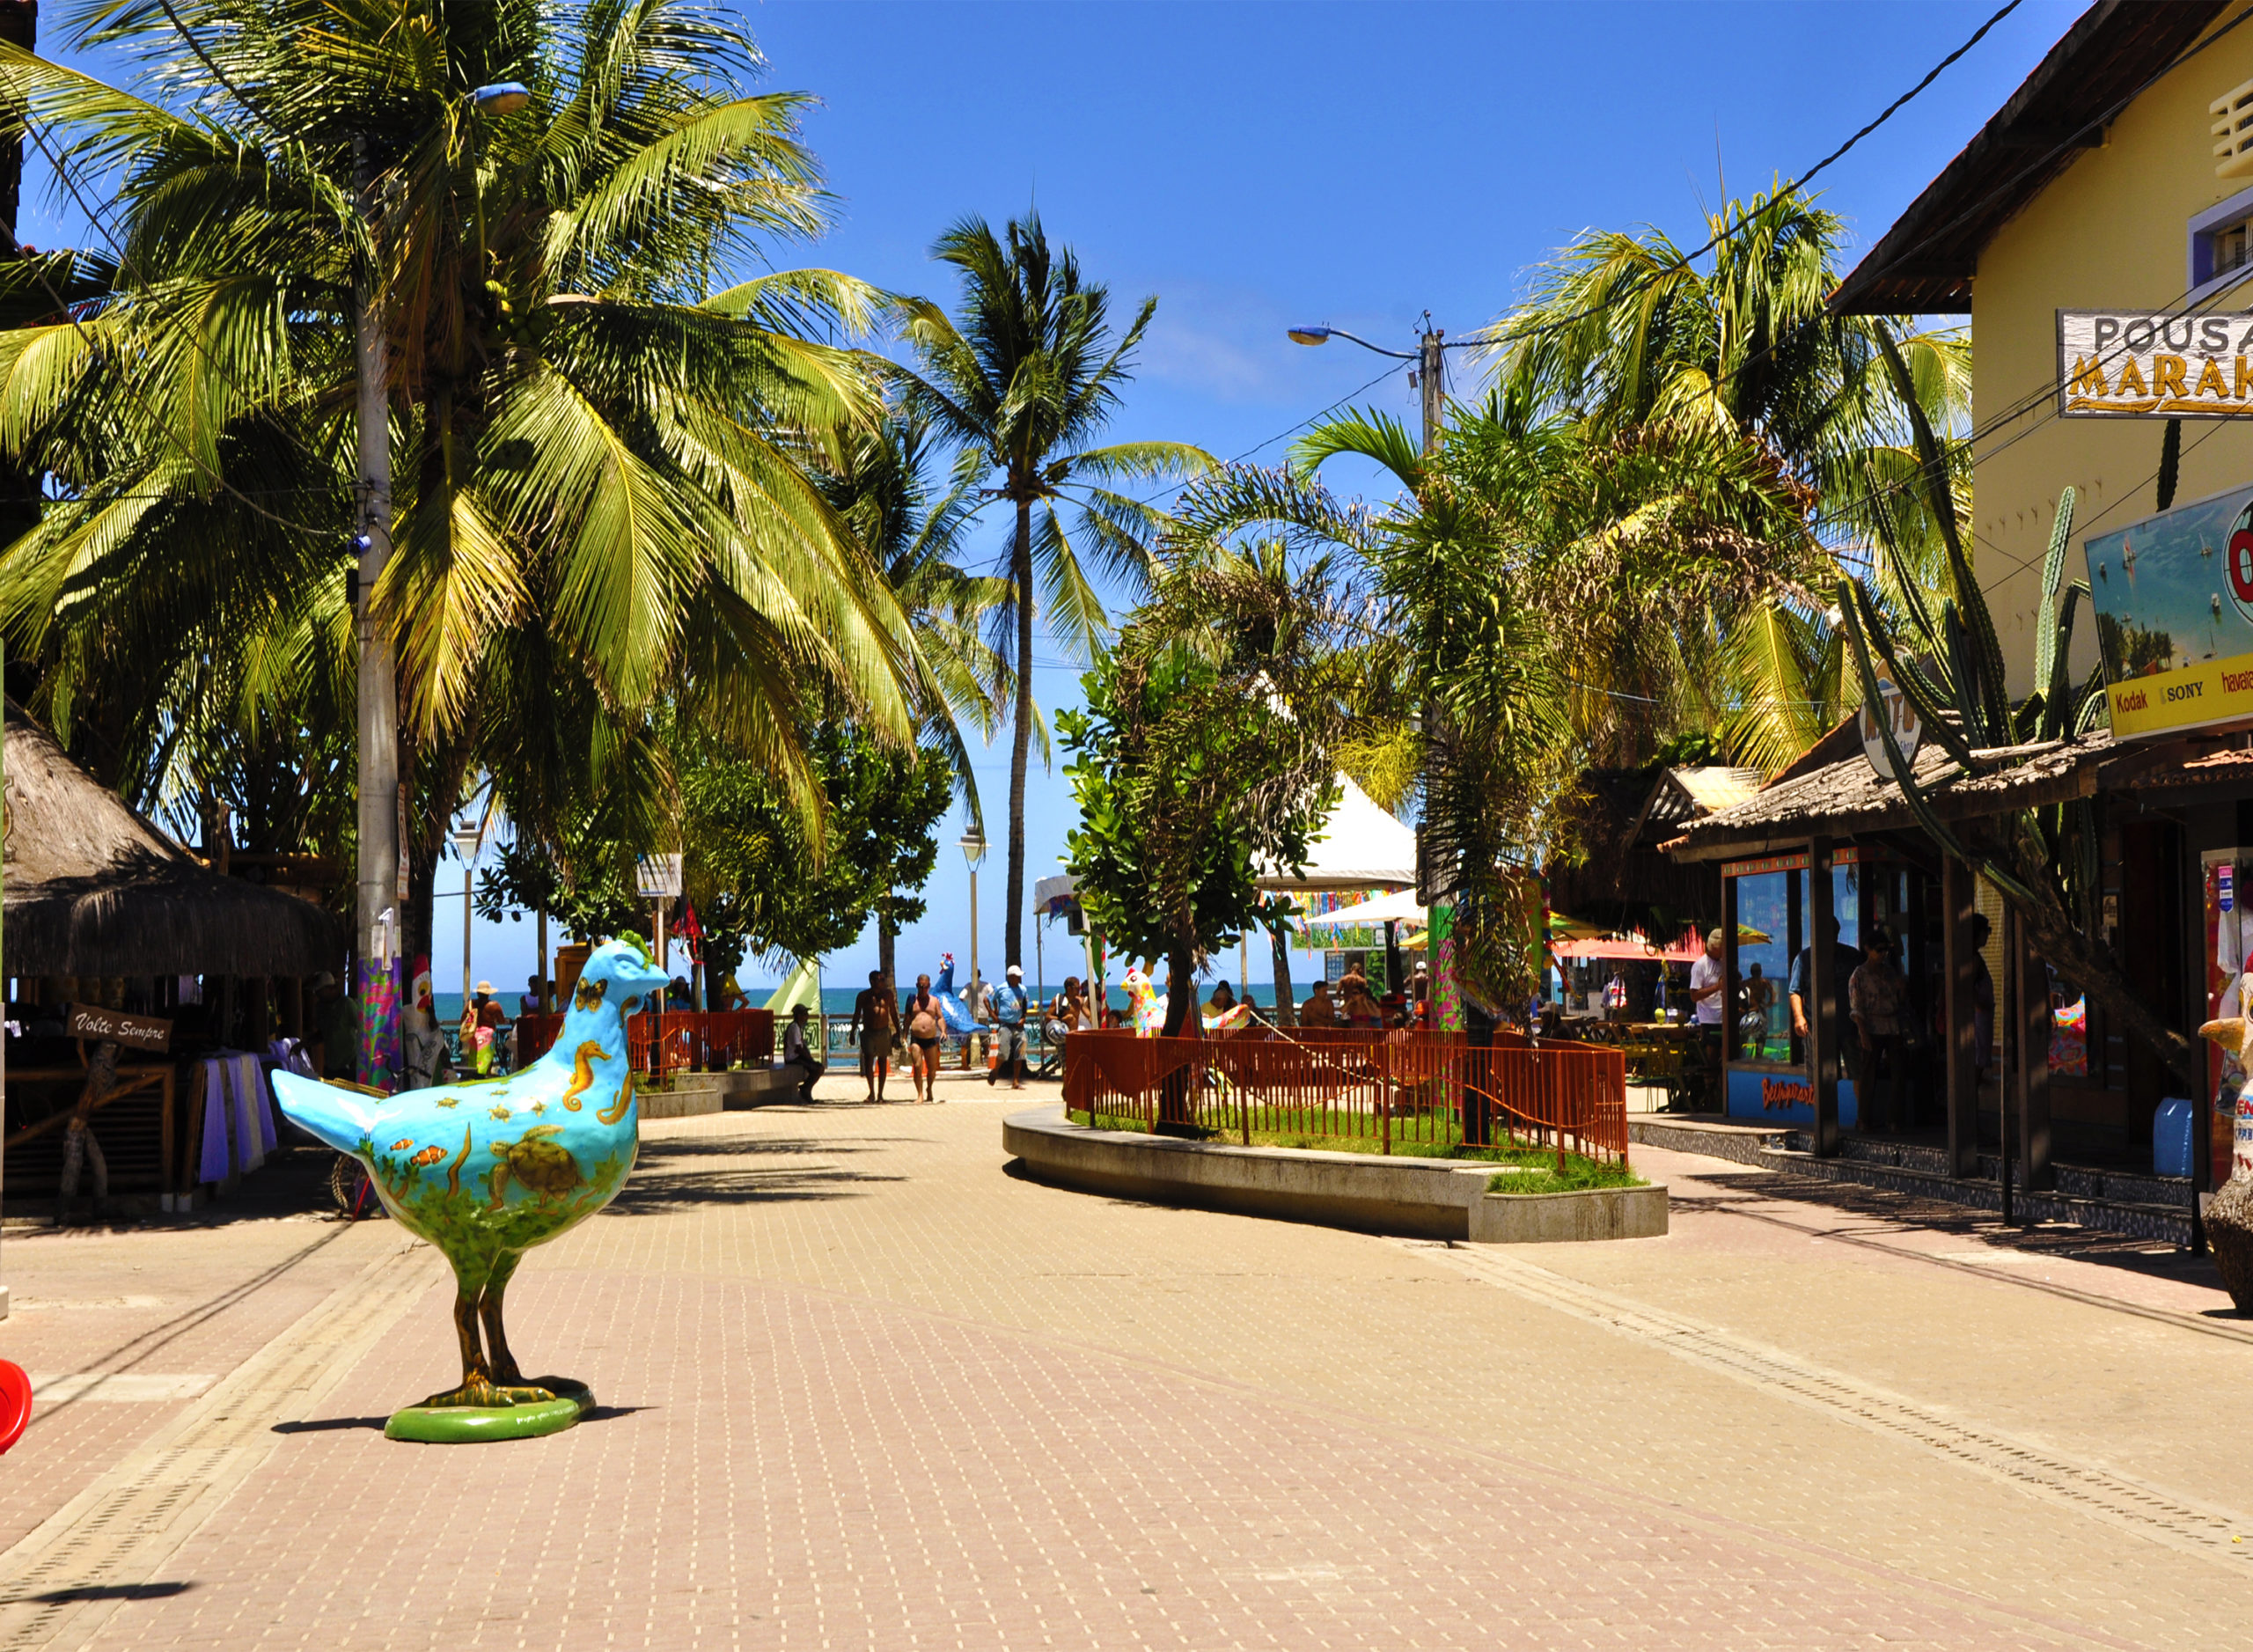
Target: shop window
(1774,922)
(1764,911)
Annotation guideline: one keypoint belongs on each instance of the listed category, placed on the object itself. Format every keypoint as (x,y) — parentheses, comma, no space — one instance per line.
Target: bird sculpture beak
(2229,1033)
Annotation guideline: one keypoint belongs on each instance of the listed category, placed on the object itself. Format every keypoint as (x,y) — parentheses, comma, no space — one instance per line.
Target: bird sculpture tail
(342,1118)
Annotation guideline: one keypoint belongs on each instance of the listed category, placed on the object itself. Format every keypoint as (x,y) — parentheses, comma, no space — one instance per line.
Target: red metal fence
(1343,1084)
(690,1040)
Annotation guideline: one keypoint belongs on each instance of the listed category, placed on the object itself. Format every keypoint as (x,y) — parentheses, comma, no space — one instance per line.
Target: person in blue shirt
(1008,1001)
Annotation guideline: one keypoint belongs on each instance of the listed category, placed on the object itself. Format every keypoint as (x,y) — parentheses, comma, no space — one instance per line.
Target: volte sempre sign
(2154,364)
(134,1033)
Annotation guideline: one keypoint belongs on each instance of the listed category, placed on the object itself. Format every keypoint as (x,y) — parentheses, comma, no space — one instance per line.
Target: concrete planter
(1592,1213)
(1436,1198)
(691,1094)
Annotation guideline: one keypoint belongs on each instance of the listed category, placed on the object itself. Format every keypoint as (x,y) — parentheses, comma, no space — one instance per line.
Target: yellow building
(2096,187)
(2098,233)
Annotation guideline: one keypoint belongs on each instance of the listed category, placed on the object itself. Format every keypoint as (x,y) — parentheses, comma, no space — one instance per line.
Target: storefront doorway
(1768,908)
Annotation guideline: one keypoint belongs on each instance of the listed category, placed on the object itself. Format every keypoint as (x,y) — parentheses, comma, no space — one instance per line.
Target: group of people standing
(1883,1049)
(914,1028)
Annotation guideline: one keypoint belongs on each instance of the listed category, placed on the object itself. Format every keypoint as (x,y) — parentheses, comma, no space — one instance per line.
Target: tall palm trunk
(1013,900)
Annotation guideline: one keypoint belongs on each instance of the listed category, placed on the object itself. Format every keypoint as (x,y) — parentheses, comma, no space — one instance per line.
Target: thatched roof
(1846,799)
(1619,816)
(93,889)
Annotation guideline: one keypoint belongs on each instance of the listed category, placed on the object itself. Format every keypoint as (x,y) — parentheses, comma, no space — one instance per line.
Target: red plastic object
(15,1404)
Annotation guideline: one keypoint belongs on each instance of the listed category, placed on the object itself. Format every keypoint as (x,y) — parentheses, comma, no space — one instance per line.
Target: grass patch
(1541,1175)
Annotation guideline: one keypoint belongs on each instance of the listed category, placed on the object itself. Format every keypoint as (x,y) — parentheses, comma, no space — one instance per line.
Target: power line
(1653,277)
(1324,413)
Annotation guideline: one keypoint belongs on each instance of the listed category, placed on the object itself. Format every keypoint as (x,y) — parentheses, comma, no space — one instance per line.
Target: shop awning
(1634,949)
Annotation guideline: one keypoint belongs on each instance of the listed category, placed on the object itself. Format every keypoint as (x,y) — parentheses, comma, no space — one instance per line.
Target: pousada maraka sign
(2154,364)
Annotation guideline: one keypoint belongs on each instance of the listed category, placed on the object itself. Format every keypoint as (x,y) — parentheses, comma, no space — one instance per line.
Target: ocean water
(838,1001)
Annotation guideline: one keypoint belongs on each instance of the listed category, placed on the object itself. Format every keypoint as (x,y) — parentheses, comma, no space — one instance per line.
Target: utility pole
(18,26)
(1431,379)
(378,883)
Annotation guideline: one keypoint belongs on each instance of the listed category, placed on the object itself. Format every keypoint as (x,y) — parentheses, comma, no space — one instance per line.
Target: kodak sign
(2153,364)
(2173,597)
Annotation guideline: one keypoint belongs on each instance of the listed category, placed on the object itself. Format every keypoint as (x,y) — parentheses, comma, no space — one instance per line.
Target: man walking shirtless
(876,1023)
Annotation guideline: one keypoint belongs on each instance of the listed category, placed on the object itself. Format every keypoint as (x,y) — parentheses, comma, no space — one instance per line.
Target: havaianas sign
(2152,364)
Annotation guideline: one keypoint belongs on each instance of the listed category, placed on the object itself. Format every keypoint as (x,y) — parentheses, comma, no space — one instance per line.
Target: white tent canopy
(1049,888)
(1400,909)
(1359,847)
(801,986)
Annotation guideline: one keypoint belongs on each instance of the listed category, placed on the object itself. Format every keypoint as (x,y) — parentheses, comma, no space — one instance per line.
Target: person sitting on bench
(796,1053)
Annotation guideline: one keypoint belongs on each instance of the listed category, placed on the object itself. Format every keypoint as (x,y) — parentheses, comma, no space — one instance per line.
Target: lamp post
(1430,377)
(973,850)
(380,877)
(466,839)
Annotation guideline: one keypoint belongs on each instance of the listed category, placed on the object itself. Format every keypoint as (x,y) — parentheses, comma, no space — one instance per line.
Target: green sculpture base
(466,1425)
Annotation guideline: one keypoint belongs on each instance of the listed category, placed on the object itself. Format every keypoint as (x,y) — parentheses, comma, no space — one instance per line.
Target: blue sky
(1254,165)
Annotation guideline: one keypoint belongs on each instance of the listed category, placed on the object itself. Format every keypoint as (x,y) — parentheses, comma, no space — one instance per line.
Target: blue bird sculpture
(488,1169)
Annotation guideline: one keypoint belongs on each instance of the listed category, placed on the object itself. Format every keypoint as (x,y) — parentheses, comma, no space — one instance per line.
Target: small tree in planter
(1205,751)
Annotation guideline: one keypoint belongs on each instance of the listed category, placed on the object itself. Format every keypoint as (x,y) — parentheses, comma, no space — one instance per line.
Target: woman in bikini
(925,1029)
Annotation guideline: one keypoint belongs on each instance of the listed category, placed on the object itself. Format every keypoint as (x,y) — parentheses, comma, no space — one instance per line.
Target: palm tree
(1023,384)
(605,467)
(880,483)
(1624,336)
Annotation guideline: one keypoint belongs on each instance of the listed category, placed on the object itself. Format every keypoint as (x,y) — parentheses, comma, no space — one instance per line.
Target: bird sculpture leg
(477,1377)
(508,1379)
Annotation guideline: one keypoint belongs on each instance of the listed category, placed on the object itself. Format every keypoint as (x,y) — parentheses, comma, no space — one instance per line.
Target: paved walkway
(862,1388)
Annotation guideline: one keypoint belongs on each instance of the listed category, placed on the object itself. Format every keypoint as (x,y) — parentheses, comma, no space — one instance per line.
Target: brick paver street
(861,1387)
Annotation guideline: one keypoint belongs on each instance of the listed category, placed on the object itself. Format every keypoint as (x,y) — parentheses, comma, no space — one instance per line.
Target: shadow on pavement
(98,1591)
(330,1425)
(2150,1259)
(668,1177)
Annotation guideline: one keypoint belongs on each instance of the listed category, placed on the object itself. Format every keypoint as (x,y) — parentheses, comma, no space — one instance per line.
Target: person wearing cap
(1010,1007)
(1877,997)
(796,1053)
(336,1029)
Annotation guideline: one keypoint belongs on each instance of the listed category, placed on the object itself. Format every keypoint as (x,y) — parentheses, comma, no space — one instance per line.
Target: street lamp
(466,839)
(379,878)
(1430,376)
(973,850)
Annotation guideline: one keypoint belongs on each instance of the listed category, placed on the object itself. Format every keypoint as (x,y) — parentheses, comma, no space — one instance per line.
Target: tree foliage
(605,452)
(1022,382)
(1206,752)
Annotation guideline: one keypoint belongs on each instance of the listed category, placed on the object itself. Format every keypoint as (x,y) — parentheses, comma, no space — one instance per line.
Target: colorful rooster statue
(952,1011)
(1145,1007)
(2229,1214)
(485,1171)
